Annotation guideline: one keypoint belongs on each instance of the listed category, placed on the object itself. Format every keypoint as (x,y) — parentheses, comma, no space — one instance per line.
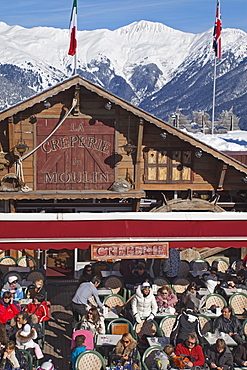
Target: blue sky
(186,15)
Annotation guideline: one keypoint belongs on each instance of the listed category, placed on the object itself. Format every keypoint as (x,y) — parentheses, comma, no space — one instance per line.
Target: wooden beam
(222,176)
(11,133)
(138,155)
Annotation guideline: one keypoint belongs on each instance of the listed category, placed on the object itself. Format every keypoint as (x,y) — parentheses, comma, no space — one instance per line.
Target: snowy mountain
(146,63)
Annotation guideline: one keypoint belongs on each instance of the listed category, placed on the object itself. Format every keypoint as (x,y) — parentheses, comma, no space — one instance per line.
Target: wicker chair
(237,265)
(120,326)
(116,266)
(160,281)
(184,268)
(116,301)
(148,356)
(167,324)
(149,328)
(26,261)
(238,302)
(35,275)
(100,266)
(205,324)
(12,273)
(90,360)
(180,284)
(199,264)
(28,357)
(221,264)
(215,299)
(6,262)
(114,283)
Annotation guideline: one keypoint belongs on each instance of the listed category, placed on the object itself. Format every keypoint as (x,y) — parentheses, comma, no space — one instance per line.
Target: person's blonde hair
(165,287)
(127,336)
(39,281)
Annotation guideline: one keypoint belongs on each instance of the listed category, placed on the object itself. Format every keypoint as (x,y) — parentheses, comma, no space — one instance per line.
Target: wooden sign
(129,250)
(79,156)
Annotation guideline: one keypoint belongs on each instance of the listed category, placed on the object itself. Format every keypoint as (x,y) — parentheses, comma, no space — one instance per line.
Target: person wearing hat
(143,304)
(186,322)
(13,287)
(139,276)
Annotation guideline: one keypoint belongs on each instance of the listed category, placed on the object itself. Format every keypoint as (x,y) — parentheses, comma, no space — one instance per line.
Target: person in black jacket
(219,356)
(186,323)
(241,282)
(240,355)
(13,358)
(230,324)
(138,277)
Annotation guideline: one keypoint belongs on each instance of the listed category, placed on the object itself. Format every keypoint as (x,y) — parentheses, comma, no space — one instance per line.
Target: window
(167,166)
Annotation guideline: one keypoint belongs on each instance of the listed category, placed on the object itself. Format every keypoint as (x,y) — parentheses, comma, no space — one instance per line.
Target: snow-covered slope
(144,62)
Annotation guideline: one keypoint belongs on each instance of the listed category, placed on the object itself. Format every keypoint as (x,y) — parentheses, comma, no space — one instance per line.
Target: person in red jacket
(191,349)
(8,307)
(39,307)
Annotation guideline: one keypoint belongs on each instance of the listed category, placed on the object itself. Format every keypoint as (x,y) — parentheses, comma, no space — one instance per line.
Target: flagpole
(75,64)
(214,90)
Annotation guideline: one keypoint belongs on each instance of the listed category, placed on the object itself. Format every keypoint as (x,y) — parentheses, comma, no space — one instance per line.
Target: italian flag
(72,30)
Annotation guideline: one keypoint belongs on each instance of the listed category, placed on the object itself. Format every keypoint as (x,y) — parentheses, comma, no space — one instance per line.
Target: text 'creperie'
(145,250)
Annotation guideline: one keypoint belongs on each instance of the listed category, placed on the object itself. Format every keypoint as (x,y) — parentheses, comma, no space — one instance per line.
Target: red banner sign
(129,250)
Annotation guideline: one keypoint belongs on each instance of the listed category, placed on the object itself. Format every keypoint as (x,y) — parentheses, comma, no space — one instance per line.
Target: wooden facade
(87,153)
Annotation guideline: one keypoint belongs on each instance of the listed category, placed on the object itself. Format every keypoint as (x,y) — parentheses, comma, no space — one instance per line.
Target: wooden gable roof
(77,80)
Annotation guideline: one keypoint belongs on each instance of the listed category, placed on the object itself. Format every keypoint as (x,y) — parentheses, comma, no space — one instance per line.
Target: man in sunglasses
(191,351)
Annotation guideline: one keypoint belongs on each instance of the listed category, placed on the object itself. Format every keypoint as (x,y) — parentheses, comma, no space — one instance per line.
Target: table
(211,339)
(108,339)
(158,341)
(25,301)
(203,291)
(110,273)
(104,291)
(210,314)
(19,269)
(111,315)
(229,291)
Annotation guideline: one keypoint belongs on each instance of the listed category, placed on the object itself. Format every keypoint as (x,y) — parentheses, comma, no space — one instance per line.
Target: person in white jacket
(143,305)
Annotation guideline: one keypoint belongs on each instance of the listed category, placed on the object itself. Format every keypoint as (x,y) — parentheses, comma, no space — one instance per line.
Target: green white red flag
(73,29)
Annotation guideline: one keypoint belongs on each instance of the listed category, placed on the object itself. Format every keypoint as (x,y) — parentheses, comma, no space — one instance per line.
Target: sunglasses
(90,313)
(164,293)
(192,343)
(126,341)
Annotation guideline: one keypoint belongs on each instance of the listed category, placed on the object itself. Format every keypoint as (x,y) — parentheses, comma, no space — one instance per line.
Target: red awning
(45,231)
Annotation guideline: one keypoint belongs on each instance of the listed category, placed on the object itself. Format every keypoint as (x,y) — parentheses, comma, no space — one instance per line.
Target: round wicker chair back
(199,264)
(180,284)
(167,324)
(148,357)
(90,360)
(148,328)
(215,300)
(115,301)
(184,268)
(114,283)
(238,303)
(221,264)
(205,324)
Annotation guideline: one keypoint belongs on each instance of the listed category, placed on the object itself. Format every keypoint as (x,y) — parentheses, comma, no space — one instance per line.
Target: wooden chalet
(78,148)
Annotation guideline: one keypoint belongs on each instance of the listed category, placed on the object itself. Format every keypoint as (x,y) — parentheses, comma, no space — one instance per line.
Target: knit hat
(11,279)
(145,286)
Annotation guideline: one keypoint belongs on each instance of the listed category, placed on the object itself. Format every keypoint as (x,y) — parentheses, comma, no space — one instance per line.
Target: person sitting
(241,281)
(143,304)
(125,350)
(25,340)
(230,324)
(12,358)
(39,307)
(3,336)
(93,322)
(13,287)
(192,295)
(8,307)
(165,297)
(240,355)
(162,358)
(219,356)
(139,276)
(191,350)
(211,280)
(18,322)
(34,288)
(79,348)
(87,275)
(186,322)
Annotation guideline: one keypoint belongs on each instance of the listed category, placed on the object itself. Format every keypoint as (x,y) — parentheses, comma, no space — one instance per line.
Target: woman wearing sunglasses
(165,297)
(93,322)
(125,351)
(87,275)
